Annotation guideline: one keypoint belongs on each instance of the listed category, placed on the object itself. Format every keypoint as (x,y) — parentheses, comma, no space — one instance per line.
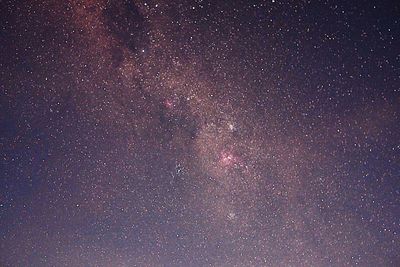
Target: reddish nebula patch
(169,103)
(228,159)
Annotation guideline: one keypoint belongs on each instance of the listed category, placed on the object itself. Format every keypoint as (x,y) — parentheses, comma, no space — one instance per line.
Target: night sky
(199,133)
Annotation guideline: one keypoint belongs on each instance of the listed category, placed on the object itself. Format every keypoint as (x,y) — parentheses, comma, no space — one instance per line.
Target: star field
(199,133)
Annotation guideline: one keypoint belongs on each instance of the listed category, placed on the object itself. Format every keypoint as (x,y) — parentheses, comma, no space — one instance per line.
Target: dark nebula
(199,133)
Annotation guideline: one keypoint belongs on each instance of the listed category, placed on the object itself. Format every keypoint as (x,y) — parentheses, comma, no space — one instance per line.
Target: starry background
(199,133)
